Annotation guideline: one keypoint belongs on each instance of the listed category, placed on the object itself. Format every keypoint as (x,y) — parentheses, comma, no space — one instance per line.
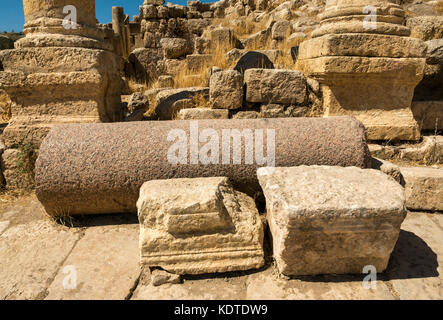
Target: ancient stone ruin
(380,61)
(300,134)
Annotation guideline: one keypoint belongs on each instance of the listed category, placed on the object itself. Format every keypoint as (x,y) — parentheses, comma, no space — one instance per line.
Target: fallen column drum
(99,168)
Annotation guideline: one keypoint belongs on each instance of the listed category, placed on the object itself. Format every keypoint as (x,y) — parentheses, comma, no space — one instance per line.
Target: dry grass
(199,78)
(5,107)
(439,8)
(200,101)
(136,87)
(242,28)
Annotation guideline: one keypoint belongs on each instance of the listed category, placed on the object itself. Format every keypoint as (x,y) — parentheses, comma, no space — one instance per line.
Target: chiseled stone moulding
(200,225)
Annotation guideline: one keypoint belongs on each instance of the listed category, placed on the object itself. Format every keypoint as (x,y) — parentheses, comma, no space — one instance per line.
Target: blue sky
(11,15)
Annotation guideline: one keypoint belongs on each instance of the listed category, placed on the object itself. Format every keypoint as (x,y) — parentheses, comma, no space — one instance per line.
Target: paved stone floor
(40,259)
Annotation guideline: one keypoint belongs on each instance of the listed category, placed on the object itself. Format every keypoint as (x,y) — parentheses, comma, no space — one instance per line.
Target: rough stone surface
(108,163)
(382,64)
(197,226)
(331,220)
(161,277)
(202,113)
(15,167)
(197,62)
(138,101)
(275,86)
(281,30)
(226,90)
(426,27)
(428,114)
(167,106)
(59,75)
(423,188)
(416,267)
(3,226)
(247,115)
(25,267)
(389,168)
(104,255)
(165,81)
(174,47)
(415,270)
(269,286)
(435,51)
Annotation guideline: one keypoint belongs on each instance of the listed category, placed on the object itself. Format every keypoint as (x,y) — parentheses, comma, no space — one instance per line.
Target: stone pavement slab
(30,255)
(105,262)
(196,288)
(35,251)
(416,267)
(268,286)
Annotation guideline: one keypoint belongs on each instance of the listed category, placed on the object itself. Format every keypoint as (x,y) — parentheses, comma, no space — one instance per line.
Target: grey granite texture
(99,168)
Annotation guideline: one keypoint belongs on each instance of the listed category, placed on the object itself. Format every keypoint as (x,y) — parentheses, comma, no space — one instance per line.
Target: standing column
(368,65)
(62,71)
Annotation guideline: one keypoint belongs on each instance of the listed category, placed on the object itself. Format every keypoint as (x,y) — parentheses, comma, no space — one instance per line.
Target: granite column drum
(62,71)
(99,168)
(368,65)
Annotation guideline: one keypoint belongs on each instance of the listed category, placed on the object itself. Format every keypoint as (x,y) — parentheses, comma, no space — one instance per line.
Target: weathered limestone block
(202,113)
(138,101)
(173,67)
(275,86)
(197,62)
(154,2)
(368,71)
(59,75)
(257,40)
(428,114)
(197,226)
(222,38)
(435,51)
(174,47)
(247,115)
(108,163)
(423,188)
(331,220)
(281,30)
(48,16)
(165,82)
(160,277)
(427,106)
(363,45)
(426,27)
(18,169)
(198,26)
(149,11)
(166,100)
(389,168)
(281,111)
(226,90)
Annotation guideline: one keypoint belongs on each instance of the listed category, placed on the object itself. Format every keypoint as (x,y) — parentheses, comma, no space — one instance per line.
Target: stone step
(423,188)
